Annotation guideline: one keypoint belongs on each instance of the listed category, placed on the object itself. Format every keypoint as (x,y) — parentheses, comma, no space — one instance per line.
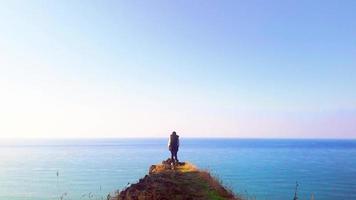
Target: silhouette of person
(173,145)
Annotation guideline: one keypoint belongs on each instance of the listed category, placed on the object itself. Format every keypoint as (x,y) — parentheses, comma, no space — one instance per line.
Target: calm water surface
(265,169)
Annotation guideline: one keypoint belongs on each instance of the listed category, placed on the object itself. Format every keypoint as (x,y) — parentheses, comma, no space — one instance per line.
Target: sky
(245,69)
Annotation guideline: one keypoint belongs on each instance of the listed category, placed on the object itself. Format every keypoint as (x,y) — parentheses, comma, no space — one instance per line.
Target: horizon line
(246,138)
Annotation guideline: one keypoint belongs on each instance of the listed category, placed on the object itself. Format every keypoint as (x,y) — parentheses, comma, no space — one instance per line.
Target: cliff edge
(183,181)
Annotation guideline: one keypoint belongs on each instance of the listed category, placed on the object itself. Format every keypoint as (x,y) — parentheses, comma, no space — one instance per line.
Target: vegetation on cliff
(182,181)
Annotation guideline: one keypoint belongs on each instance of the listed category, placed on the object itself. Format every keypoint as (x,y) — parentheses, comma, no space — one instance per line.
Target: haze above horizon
(245,69)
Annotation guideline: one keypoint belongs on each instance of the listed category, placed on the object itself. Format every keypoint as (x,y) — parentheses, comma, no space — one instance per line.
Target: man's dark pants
(174,152)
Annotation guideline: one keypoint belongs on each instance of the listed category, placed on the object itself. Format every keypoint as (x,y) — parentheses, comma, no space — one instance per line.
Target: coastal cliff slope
(183,181)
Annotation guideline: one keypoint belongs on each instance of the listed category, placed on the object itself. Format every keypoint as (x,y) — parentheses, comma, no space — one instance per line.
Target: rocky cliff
(182,181)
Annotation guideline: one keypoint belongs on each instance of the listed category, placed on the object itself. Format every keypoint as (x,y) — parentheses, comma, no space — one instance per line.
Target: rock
(183,182)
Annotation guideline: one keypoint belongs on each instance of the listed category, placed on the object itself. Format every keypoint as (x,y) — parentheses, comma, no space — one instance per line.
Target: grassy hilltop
(182,182)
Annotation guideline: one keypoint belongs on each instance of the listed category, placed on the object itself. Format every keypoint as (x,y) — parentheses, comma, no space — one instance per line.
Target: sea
(262,169)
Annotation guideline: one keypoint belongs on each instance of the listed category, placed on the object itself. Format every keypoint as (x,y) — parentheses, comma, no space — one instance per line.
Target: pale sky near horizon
(256,69)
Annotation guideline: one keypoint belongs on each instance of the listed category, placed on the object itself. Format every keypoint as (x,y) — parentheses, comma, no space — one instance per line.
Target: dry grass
(184,181)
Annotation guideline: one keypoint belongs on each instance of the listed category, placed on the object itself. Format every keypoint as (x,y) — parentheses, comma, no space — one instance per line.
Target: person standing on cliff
(173,145)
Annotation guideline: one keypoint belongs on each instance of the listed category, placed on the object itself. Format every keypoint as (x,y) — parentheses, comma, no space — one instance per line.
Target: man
(173,145)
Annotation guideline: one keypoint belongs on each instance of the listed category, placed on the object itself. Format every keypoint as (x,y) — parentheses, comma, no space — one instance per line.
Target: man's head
(174,133)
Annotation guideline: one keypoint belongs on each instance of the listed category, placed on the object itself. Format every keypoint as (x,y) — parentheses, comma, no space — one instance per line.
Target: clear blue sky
(203,68)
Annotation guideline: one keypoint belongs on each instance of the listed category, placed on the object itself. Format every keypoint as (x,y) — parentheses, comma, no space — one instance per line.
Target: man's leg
(175,155)
(172,155)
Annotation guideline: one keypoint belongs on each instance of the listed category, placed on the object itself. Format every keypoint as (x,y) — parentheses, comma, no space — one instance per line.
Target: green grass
(211,194)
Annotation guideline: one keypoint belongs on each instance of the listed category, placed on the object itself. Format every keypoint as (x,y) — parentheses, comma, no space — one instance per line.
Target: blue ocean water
(254,168)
